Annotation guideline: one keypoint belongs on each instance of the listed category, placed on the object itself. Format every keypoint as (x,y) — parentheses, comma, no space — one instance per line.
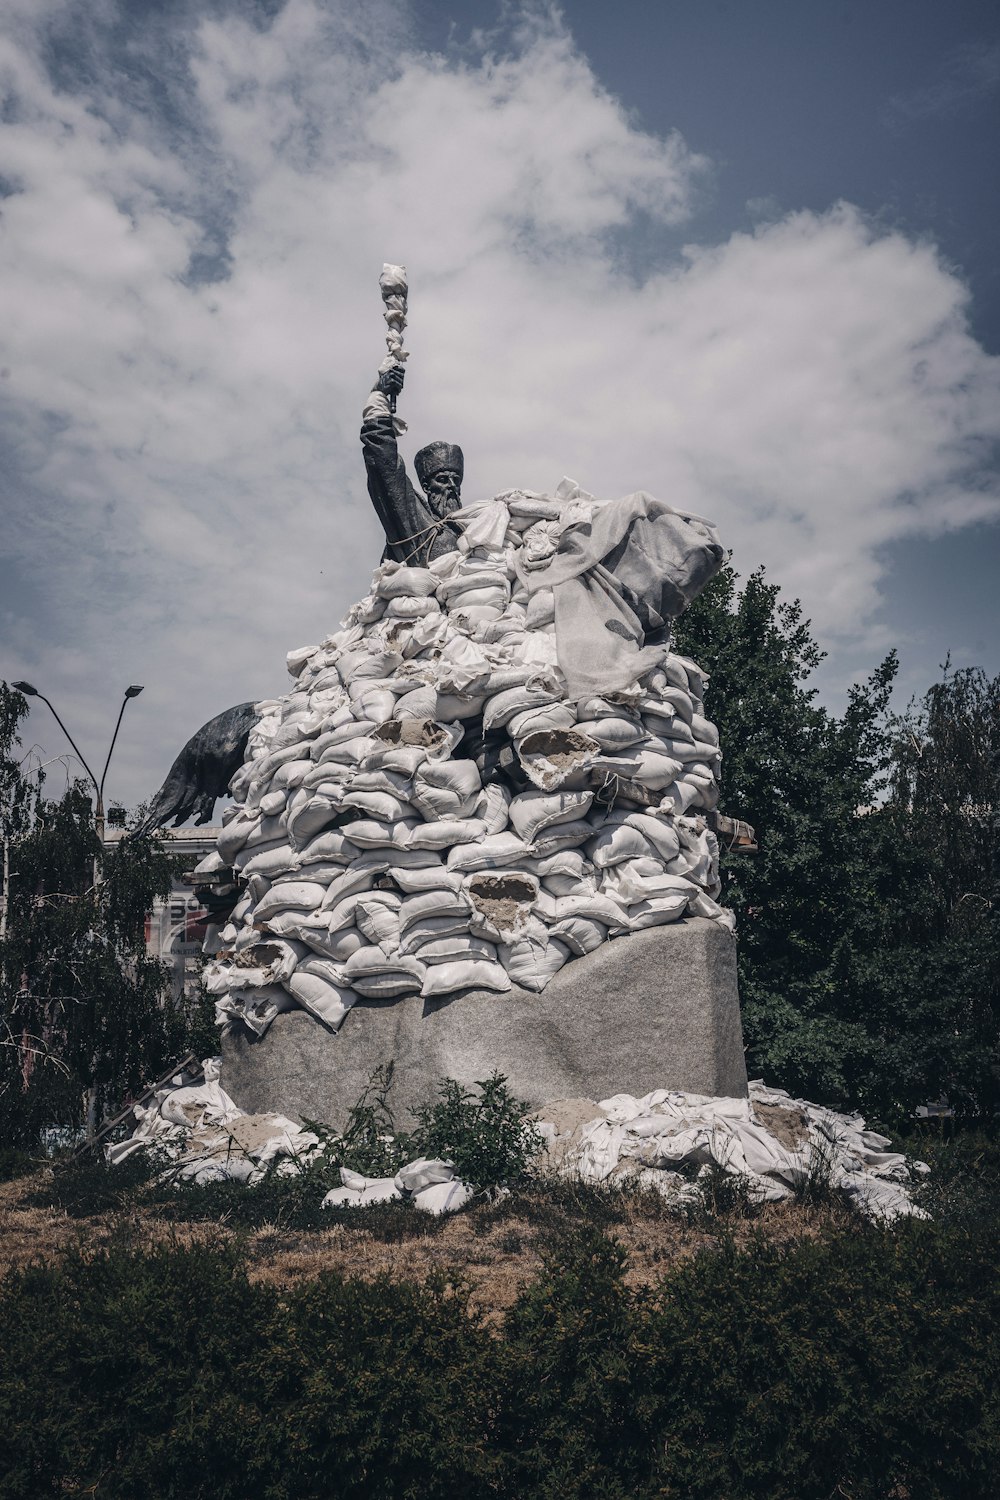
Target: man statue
(417,529)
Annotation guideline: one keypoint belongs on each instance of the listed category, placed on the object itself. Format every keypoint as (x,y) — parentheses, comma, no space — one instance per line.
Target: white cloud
(185,487)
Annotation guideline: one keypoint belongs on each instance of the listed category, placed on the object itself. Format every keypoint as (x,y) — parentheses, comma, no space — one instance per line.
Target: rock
(658,1009)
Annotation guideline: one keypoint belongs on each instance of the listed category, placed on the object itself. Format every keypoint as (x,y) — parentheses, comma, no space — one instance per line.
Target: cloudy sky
(740,255)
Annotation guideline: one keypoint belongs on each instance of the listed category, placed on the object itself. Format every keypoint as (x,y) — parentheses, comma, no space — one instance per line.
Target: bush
(862,1365)
(490,1138)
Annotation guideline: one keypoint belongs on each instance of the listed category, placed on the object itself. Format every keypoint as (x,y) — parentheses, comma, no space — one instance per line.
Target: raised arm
(403,513)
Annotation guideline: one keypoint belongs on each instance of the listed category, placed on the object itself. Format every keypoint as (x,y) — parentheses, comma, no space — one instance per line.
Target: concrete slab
(658,1009)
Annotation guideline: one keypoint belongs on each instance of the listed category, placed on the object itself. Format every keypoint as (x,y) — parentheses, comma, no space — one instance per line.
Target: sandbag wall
(426,812)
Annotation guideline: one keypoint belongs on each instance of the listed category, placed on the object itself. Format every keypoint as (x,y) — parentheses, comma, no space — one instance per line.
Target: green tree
(83,1018)
(869,943)
(925,965)
(800,775)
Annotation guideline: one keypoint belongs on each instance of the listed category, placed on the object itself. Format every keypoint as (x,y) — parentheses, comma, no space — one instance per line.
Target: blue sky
(741,255)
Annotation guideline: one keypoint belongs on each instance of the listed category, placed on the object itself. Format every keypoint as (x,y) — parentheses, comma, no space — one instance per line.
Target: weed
(490,1138)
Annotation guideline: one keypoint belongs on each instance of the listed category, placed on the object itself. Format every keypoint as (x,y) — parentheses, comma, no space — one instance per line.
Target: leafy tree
(801,776)
(869,940)
(83,1019)
(925,964)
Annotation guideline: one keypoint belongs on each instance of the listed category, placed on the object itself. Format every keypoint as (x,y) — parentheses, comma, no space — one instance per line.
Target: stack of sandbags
(427,812)
(776,1144)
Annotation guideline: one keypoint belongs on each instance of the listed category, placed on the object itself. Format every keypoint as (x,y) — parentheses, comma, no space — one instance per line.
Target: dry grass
(496,1249)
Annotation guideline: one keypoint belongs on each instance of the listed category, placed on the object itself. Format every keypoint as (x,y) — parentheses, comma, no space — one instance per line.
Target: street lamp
(130,692)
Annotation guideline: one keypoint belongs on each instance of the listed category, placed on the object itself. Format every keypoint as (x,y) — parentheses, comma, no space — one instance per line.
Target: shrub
(861,1365)
(490,1138)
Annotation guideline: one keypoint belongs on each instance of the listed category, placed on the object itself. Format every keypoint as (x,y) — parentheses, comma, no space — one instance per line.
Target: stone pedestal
(658,1009)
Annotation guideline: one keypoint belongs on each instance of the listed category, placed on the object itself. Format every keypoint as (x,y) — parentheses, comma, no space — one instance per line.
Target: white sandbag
(212,864)
(446,789)
(420,703)
(424,1172)
(257,1008)
(435,878)
(617,842)
(456,706)
(541,610)
(377,916)
(532,959)
(378,778)
(303,895)
(264,963)
(325,1001)
(681,797)
(332,846)
(563,862)
(611,733)
(411,609)
(371,833)
(600,907)
(268,862)
(464,974)
(315,816)
(662,835)
(348,730)
(656,911)
(501,903)
(372,962)
(323,967)
(502,706)
(492,808)
(557,757)
(403,581)
(642,879)
(570,885)
(437,904)
(579,935)
(381,805)
(327,779)
(533,812)
(433,929)
(351,751)
(436,739)
(442,1198)
(337,946)
(233,837)
(399,760)
(343,915)
(492,852)
(561,836)
(546,716)
(459,945)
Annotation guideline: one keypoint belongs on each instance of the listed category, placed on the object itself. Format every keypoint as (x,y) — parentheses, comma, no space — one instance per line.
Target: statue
(416,529)
(617,576)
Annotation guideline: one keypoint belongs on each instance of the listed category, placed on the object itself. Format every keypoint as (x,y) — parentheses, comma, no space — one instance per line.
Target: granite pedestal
(658,1009)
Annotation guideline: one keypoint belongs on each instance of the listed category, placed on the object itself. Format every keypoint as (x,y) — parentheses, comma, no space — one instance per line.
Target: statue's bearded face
(444,491)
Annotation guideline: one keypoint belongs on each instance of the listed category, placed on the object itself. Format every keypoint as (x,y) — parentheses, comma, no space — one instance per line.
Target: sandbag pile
(426,811)
(201,1136)
(775,1143)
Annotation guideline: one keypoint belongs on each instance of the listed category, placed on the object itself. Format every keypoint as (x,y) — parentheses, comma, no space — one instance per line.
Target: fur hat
(437,456)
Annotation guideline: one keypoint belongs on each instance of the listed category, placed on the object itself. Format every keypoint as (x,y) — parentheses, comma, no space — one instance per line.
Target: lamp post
(130,692)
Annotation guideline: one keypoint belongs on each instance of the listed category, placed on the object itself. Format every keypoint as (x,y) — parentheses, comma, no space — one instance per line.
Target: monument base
(658,1009)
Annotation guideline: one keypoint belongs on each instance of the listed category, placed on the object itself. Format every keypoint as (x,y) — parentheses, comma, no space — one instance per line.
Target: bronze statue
(416,529)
